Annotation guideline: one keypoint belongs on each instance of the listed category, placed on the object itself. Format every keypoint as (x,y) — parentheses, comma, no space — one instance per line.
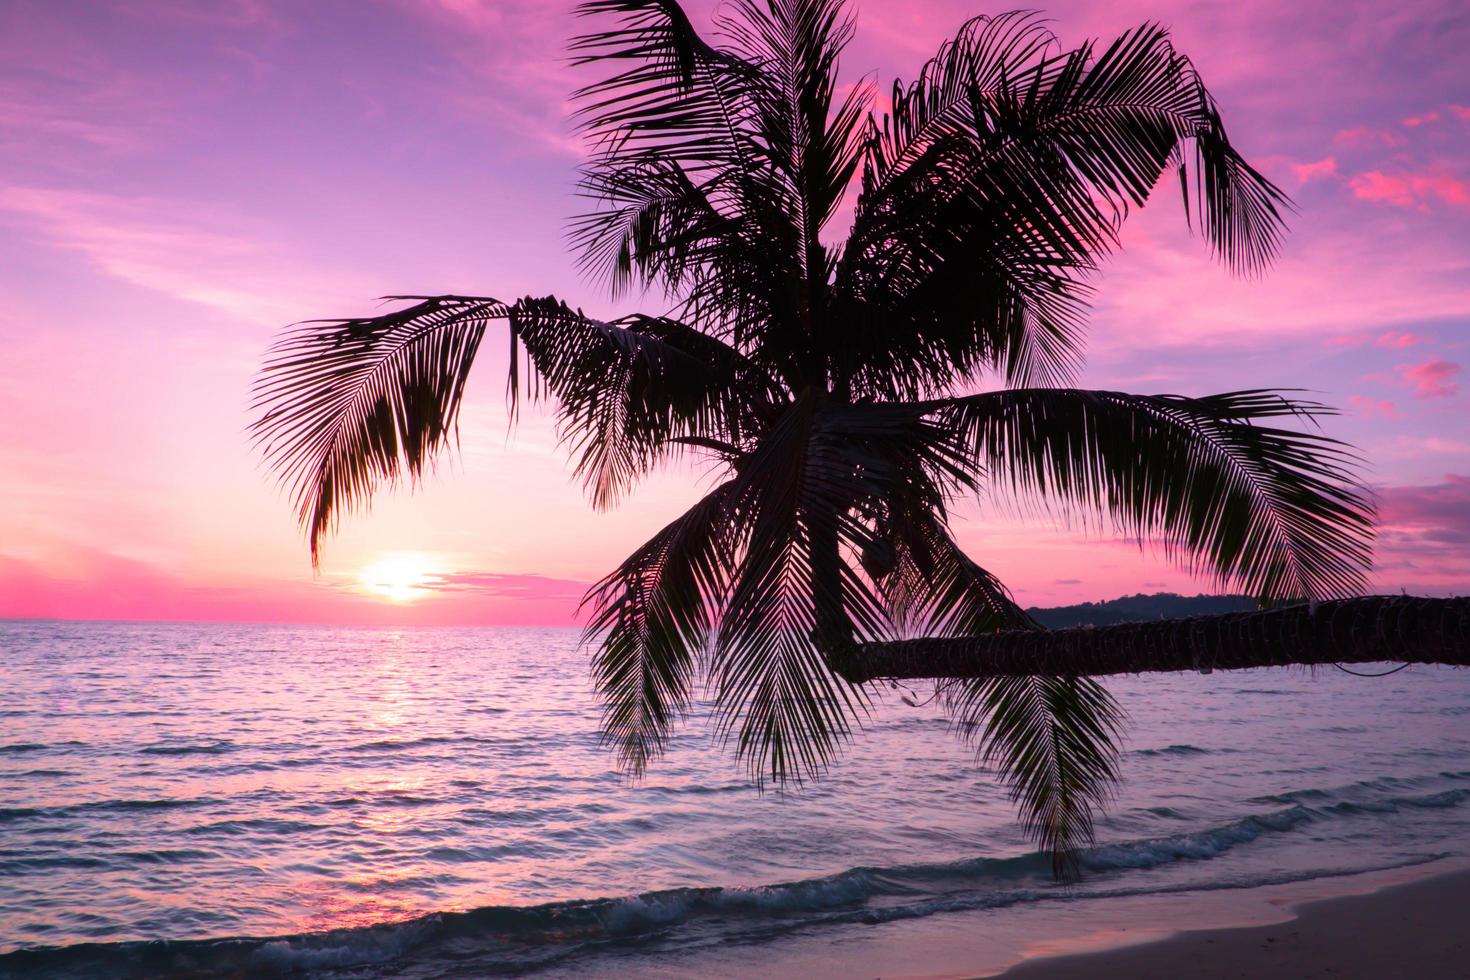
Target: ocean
(219,799)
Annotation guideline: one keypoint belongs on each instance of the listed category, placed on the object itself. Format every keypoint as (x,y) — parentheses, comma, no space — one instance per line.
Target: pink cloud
(1424,535)
(1391,339)
(1371,407)
(1420,120)
(1316,170)
(1431,379)
(1410,190)
(1359,136)
(1461,112)
(1397,341)
(1446,505)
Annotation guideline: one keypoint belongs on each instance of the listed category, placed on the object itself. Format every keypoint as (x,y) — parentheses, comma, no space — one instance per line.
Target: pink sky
(179,179)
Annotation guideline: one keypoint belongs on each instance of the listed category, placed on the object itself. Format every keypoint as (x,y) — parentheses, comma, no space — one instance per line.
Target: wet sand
(1418,930)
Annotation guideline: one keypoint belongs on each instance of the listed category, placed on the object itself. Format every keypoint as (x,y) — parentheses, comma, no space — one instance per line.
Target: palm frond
(932,588)
(812,141)
(778,697)
(632,391)
(347,405)
(650,619)
(672,93)
(1000,181)
(1278,512)
(1055,741)
(685,197)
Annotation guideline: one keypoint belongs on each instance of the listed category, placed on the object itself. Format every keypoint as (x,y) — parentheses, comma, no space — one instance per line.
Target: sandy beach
(1416,930)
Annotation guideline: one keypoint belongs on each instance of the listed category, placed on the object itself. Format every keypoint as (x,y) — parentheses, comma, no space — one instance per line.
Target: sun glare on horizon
(400,576)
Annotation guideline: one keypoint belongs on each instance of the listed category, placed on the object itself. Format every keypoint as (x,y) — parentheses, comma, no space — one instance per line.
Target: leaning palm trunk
(1370,629)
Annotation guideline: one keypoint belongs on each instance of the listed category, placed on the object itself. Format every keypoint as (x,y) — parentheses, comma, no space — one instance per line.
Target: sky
(180,179)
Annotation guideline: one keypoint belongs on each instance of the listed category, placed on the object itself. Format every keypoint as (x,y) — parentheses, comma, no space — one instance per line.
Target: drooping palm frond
(651,619)
(814,499)
(1275,511)
(349,404)
(632,391)
(778,698)
(932,588)
(1055,742)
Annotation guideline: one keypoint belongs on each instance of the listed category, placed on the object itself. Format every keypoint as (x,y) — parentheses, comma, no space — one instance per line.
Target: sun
(400,576)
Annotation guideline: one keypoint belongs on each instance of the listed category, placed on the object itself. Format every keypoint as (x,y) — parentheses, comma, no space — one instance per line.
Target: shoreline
(1170,934)
(1406,921)
(1397,928)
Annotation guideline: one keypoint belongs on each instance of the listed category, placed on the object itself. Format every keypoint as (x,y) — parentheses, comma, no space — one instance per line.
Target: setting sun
(400,576)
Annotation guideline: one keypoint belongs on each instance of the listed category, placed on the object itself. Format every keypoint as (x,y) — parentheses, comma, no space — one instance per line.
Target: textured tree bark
(1399,629)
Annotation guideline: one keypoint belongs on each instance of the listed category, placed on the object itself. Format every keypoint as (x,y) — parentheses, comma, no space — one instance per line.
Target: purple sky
(178,180)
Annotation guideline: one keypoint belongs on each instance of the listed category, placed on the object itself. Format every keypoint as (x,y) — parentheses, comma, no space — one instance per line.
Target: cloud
(75,582)
(1431,379)
(1443,508)
(1424,535)
(504,585)
(174,247)
(42,119)
(1462,112)
(1371,407)
(1422,119)
(1359,136)
(1161,290)
(1410,190)
(504,62)
(1397,341)
(1390,339)
(1316,170)
(1434,444)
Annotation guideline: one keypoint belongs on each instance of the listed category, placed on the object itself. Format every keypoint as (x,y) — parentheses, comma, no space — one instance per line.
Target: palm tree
(850,388)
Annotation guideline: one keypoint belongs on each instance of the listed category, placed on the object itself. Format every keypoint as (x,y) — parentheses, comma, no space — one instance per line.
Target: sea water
(179,799)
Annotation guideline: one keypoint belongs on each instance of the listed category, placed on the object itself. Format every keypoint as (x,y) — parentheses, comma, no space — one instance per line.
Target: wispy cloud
(190,252)
(1389,339)
(1410,190)
(1424,535)
(1316,170)
(1431,379)
(1374,407)
(1359,136)
(504,585)
(1395,340)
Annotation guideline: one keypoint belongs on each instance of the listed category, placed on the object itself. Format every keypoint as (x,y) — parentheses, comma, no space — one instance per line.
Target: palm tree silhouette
(851,389)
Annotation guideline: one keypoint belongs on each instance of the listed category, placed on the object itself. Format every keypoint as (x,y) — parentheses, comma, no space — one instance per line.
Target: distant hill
(1133,608)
